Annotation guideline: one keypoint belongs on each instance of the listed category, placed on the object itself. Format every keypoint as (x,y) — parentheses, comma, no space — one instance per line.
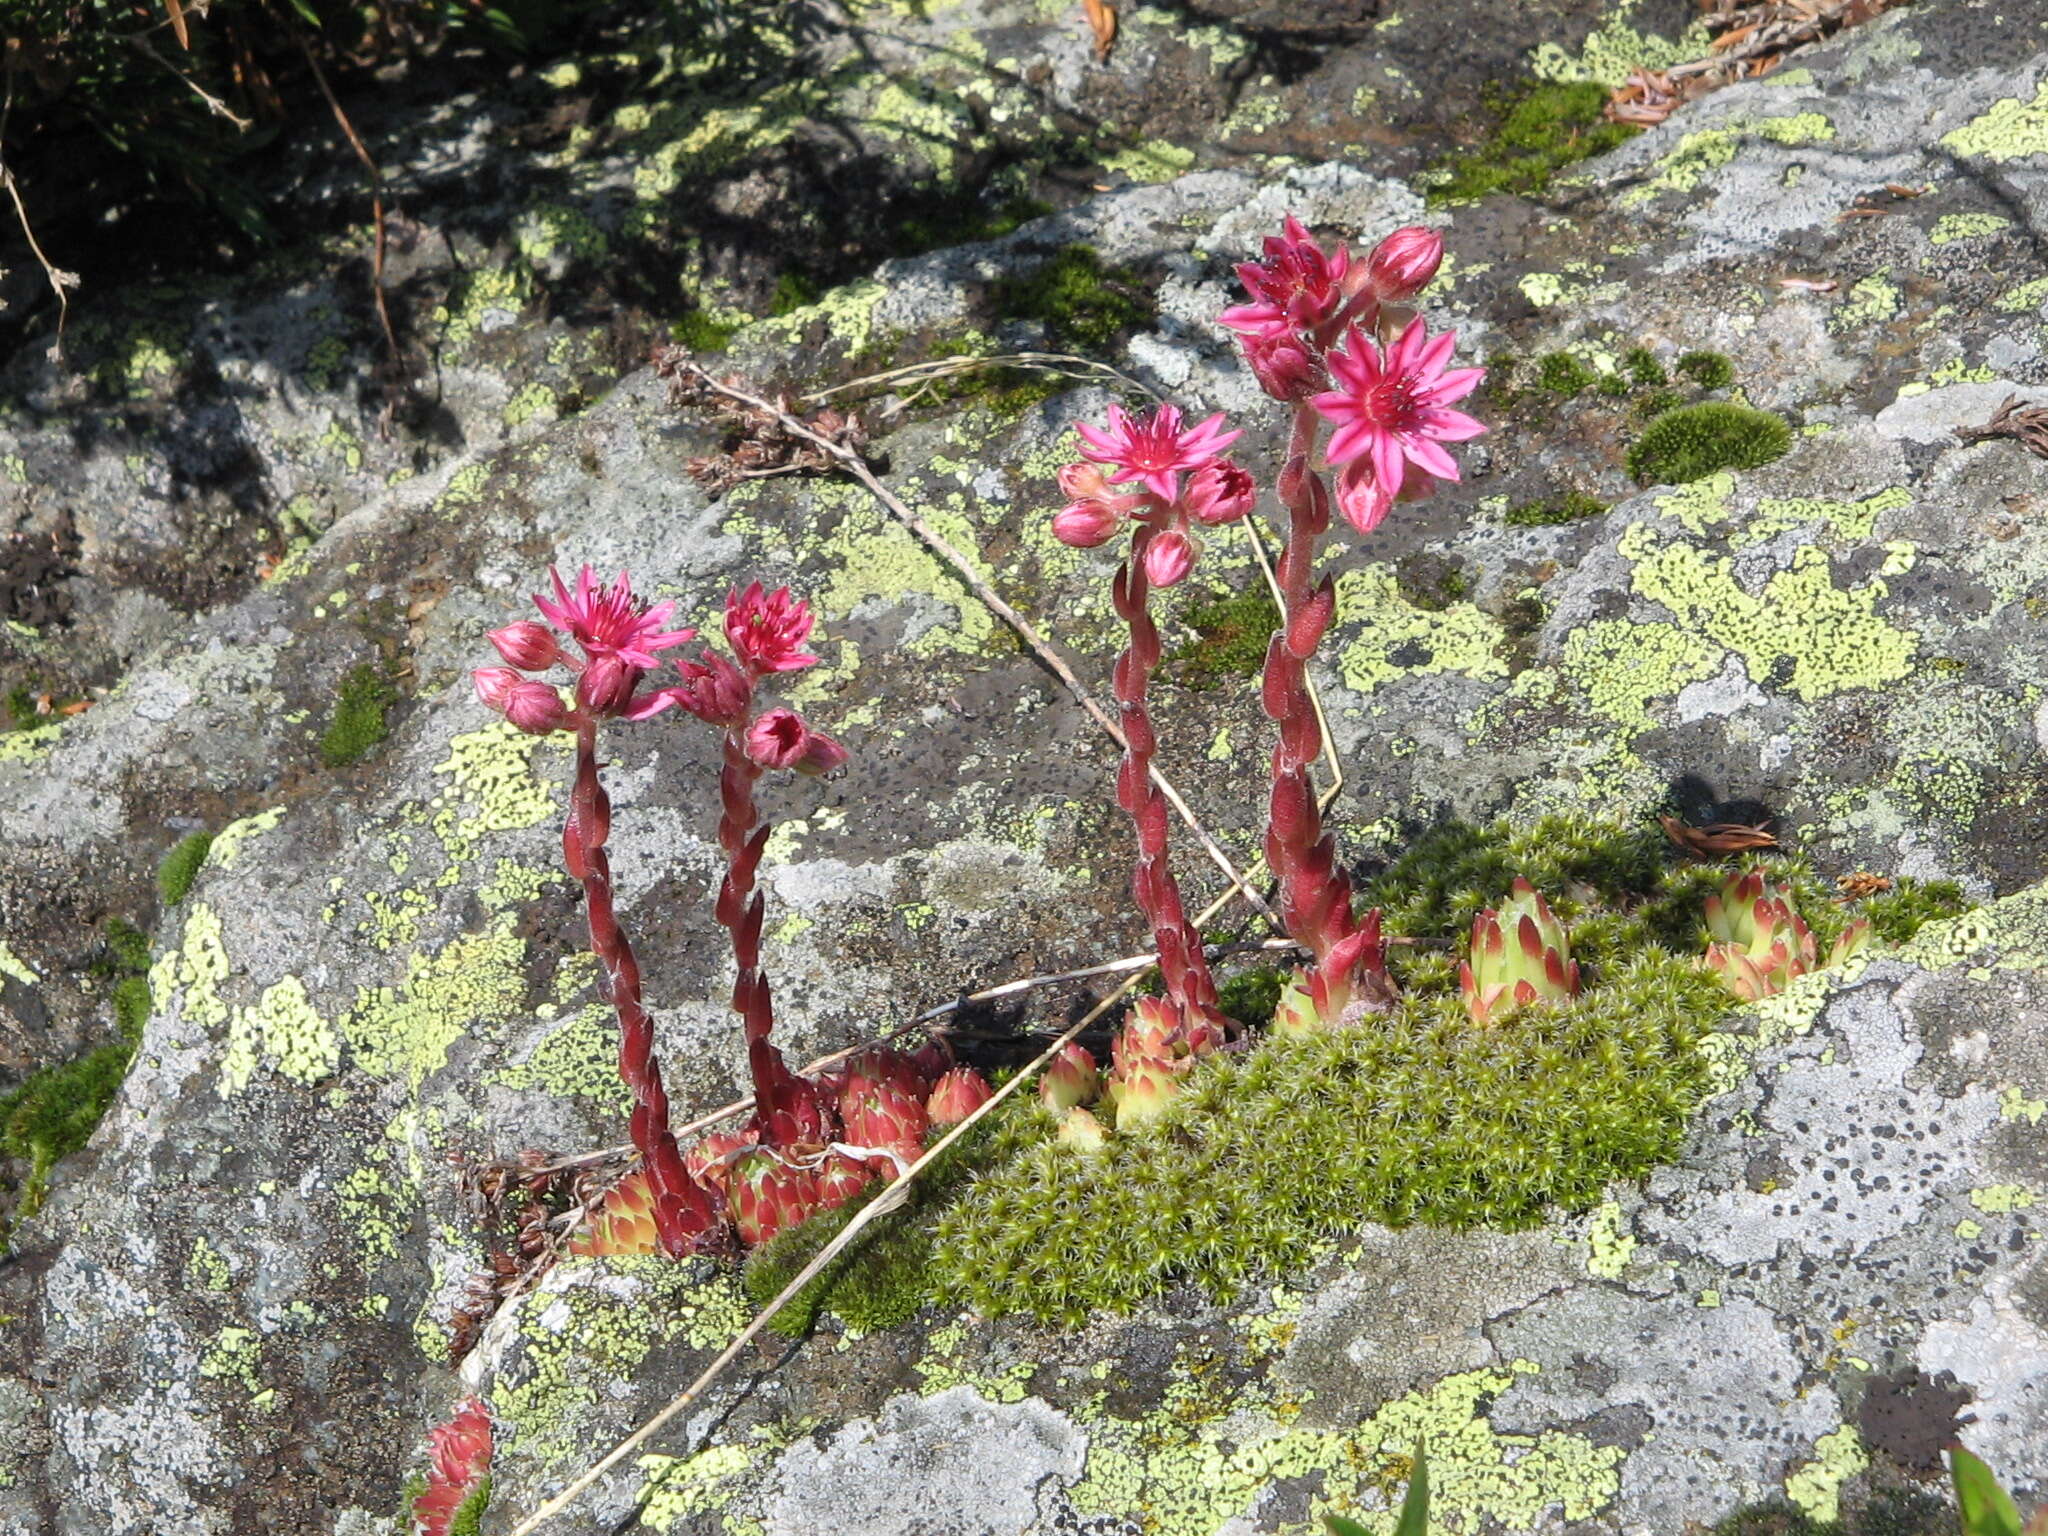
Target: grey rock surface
(233,1311)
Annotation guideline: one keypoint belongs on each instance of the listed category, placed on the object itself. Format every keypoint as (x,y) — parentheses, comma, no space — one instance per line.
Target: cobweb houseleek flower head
(1154,450)
(767,630)
(1158,452)
(606,619)
(1295,278)
(619,635)
(1392,411)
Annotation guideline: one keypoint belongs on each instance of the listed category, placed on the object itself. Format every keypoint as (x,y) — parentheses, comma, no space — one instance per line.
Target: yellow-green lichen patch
(370,1205)
(534,402)
(550,230)
(2011,129)
(1609,1243)
(847,315)
(1615,50)
(1871,301)
(873,558)
(2003,1199)
(1621,666)
(584,1334)
(944,1365)
(1702,503)
(234,1355)
(192,973)
(1850,520)
(1816,1486)
(464,491)
(1397,639)
(491,788)
(1951,227)
(578,1060)
(26,746)
(284,1027)
(1800,128)
(679,1487)
(1803,634)
(1153,162)
(14,967)
(477,293)
(229,842)
(1190,1472)
(2015,1105)
(690,142)
(2029,295)
(513,884)
(405,1031)
(1697,156)
(205,1269)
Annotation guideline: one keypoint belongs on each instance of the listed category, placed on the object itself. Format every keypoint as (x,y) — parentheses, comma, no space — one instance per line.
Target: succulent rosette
(1520,955)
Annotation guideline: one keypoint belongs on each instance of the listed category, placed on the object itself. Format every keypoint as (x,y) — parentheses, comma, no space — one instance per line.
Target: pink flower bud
(781,739)
(535,708)
(956,1096)
(822,754)
(1085,482)
(1360,498)
(1170,556)
(1085,524)
(1403,263)
(527,645)
(494,685)
(1283,366)
(1220,493)
(606,685)
(713,689)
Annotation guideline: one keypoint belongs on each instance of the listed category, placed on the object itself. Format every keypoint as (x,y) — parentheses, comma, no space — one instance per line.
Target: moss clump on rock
(1235,630)
(1709,370)
(1569,507)
(1541,132)
(1083,304)
(1562,374)
(1415,1116)
(1896,915)
(1642,367)
(1694,441)
(180,867)
(358,723)
(53,1113)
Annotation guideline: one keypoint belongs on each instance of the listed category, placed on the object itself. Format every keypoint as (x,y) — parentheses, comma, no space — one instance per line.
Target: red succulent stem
(684,1213)
(785,1106)
(1182,963)
(1315,891)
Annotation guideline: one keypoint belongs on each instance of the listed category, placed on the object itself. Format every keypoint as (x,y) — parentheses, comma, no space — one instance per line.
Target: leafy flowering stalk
(1184,484)
(618,638)
(1328,337)
(767,632)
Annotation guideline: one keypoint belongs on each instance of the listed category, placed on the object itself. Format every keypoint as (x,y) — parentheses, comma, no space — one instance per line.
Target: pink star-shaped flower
(1153,450)
(1392,407)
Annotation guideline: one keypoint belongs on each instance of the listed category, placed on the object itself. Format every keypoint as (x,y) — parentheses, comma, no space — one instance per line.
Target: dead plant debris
(2026,425)
(1749,40)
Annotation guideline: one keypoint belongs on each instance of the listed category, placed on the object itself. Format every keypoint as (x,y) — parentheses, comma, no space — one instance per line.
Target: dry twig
(1067,365)
(2026,425)
(348,128)
(1750,40)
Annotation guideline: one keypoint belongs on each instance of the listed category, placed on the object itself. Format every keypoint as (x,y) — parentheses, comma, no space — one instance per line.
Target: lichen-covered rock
(234,1308)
